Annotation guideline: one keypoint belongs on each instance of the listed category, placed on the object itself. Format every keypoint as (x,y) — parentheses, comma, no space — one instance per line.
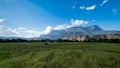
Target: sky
(32,18)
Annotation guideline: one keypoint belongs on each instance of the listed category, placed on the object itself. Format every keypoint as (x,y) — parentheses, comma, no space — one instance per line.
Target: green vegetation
(59,55)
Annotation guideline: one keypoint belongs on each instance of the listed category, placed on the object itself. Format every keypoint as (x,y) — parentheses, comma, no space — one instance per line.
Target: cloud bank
(29,33)
(18,32)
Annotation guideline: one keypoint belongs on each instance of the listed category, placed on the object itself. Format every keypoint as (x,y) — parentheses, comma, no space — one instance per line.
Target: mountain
(90,37)
(70,32)
(94,28)
(107,32)
(54,34)
(77,31)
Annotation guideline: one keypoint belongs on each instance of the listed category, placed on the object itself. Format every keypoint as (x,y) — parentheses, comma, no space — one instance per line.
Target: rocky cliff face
(89,37)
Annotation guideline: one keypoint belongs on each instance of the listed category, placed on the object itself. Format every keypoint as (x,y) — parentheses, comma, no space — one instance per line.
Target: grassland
(59,55)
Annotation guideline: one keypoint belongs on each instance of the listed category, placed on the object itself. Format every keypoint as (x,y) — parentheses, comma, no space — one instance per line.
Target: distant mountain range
(77,31)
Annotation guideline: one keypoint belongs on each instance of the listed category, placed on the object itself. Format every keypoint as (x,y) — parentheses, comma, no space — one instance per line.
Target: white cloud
(28,33)
(18,32)
(78,22)
(88,8)
(2,20)
(104,2)
(72,24)
(24,32)
(82,7)
(60,27)
(47,30)
(5,32)
(91,7)
(115,11)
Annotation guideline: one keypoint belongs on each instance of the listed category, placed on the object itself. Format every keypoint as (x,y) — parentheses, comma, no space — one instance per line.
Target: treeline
(24,40)
(60,40)
(94,40)
(13,40)
(104,40)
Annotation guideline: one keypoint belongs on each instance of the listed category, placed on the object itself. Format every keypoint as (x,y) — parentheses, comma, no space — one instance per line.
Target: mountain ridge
(71,32)
(92,37)
(77,31)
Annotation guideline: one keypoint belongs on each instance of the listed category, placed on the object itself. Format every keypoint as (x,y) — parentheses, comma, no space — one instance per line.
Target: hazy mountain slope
(54,34)
(77,31)
(94,28)
(81,33)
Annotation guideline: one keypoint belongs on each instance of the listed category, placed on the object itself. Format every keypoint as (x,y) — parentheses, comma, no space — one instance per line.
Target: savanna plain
(59,55)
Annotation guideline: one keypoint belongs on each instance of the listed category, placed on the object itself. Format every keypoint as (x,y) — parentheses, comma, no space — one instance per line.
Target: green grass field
(59,55)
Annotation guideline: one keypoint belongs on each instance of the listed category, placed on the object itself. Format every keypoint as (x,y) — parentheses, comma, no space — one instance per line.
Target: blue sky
(31,18)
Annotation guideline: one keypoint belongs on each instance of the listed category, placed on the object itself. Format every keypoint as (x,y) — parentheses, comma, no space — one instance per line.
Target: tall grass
(60,55)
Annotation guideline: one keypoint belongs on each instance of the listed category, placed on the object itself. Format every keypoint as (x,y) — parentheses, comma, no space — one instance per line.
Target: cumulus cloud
(91,7)
(18,32)
(60,27)
(104,2)
(64,26)
(2,20)
(78,22)
(47,30)
(28,33)
(24,32)
(72,24)
(88,8)
(5,32)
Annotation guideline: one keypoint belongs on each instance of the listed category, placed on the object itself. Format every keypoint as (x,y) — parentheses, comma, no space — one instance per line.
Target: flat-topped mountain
(77,31)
